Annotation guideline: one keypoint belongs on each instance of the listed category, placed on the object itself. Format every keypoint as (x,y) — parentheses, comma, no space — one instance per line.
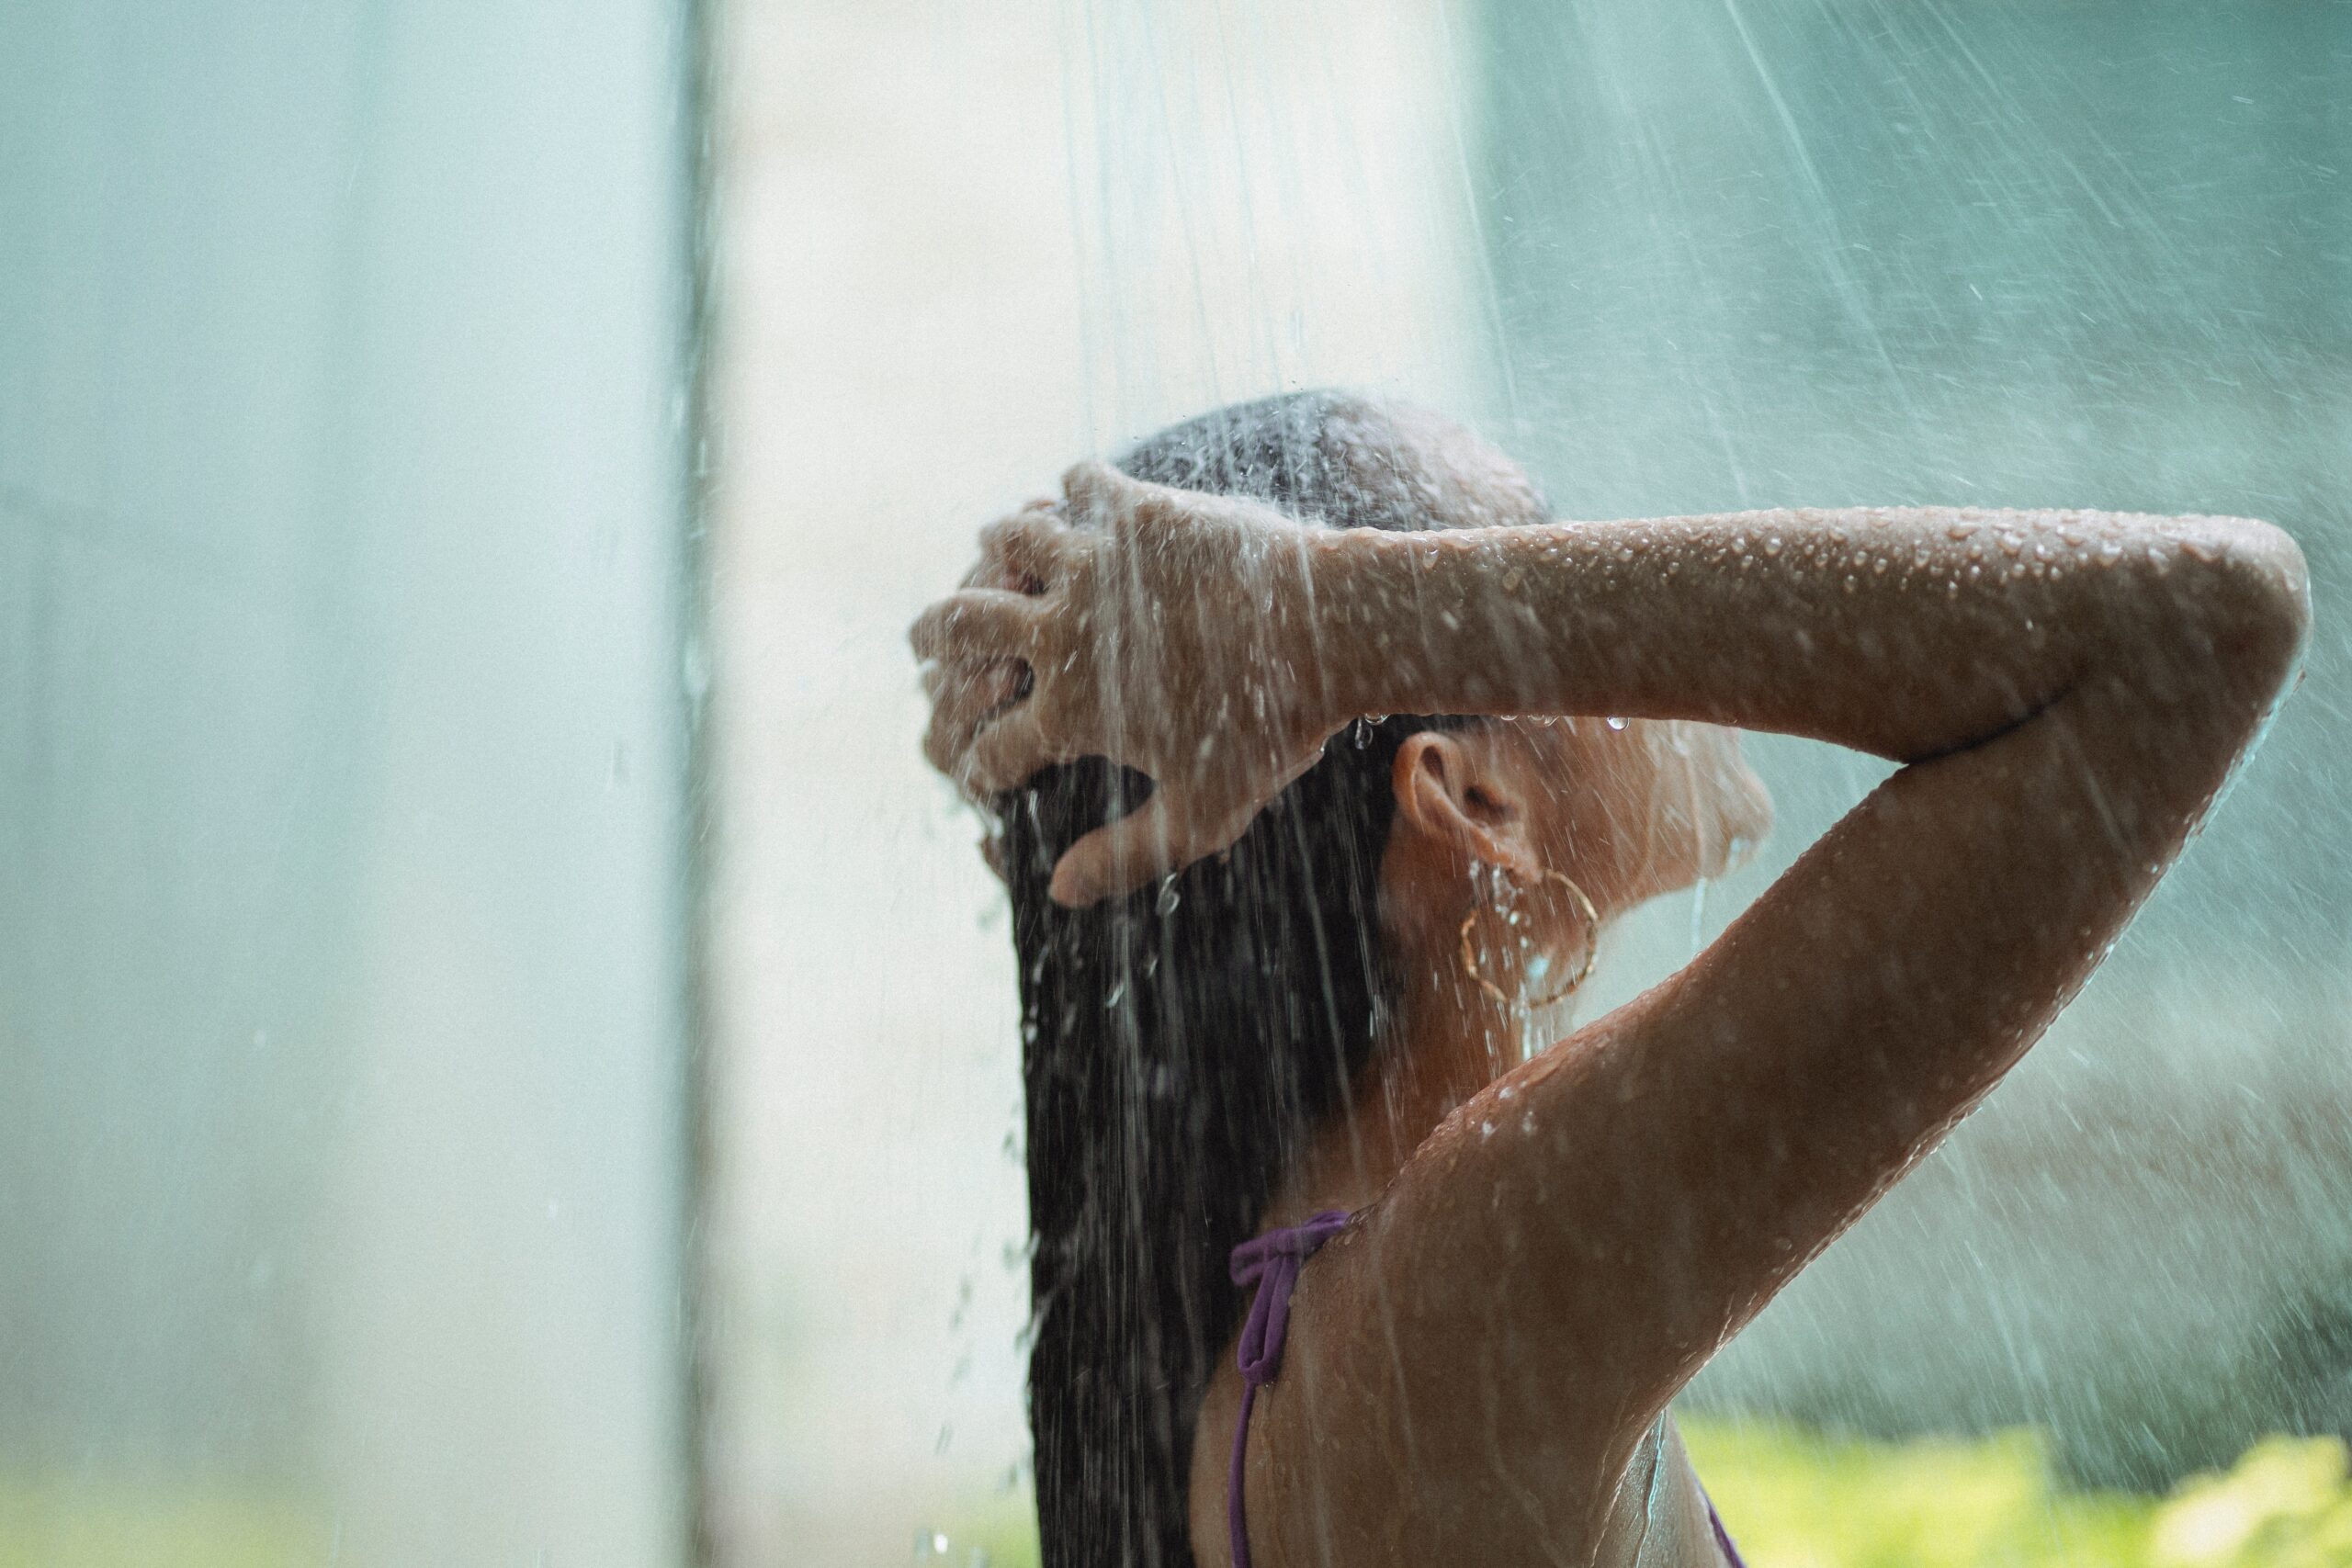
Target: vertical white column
(341,780)
(504,1344)
(966,247)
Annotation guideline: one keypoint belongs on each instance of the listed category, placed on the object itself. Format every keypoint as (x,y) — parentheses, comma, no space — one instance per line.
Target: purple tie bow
(1271,1262)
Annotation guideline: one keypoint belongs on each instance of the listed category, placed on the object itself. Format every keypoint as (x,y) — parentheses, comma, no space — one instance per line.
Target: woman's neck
(1446,1042)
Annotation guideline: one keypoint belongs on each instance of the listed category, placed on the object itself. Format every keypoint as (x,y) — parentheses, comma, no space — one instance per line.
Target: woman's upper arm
(1565,1250)
(1613,1210)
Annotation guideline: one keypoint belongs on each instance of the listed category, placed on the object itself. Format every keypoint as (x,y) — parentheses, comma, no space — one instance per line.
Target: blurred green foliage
(1794,1498)
(87,1523)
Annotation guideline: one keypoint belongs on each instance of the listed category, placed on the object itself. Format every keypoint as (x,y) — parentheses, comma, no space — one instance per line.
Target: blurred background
(506,1055)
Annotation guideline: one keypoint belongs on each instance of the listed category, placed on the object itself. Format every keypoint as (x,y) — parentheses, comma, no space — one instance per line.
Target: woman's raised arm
(2067,690)
(1213,644)
(1908,633)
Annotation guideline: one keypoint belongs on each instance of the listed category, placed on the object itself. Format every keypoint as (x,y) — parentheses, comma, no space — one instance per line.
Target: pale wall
(963,246)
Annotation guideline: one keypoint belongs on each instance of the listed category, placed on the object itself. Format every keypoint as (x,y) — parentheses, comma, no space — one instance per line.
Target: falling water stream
(1714,255)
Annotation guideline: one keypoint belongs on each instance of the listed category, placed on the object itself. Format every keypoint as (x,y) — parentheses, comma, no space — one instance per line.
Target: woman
(1281,955)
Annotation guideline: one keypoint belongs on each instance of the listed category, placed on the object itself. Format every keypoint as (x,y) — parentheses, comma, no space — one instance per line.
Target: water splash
(935,1548)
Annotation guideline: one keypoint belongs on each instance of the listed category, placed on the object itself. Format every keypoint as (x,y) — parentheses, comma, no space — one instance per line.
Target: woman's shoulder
(1376,1445)
(1341,1465)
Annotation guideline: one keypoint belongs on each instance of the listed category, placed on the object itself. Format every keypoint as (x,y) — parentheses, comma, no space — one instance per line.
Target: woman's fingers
(962,698)
(1005,753)
(989,572)
(1089,489)
(1117,857)
(1027,546)
(1096,493)
(974,624)
(1159,837)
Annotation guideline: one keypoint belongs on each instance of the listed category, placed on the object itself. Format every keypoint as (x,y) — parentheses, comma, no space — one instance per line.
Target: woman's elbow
(2224,614)
(2259,605)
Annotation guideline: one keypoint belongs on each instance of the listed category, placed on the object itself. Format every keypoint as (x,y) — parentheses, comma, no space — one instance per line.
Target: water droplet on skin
(1852,582)
(1614,723)
(2012,545)
(2110,550)
(2201,549)
(1773,545)
(1960,531)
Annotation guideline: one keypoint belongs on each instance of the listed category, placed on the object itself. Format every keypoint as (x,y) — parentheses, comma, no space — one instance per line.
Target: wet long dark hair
(1180,1042)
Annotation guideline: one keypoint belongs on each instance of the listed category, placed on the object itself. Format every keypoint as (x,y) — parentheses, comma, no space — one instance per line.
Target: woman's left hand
(1163,630)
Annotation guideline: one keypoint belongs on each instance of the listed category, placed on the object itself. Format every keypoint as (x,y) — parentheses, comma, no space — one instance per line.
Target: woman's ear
(1456,790)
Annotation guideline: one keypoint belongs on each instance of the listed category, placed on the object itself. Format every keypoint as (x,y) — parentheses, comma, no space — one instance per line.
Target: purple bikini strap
(1723,1536)
(1271,1262)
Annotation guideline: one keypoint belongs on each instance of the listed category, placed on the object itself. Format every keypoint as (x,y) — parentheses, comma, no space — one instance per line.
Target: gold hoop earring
(1583,969)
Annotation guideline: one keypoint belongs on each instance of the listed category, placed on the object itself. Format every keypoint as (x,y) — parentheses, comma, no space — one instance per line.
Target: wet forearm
(1903,632)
